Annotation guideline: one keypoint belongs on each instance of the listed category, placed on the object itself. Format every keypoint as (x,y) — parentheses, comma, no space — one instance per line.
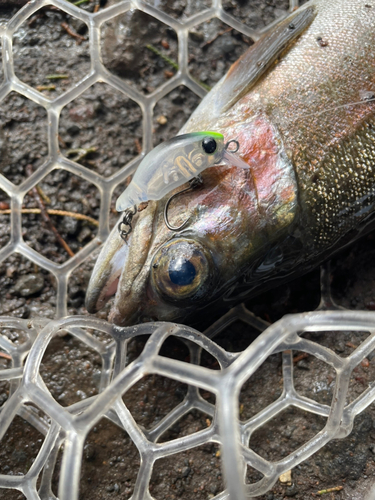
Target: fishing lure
(175,162)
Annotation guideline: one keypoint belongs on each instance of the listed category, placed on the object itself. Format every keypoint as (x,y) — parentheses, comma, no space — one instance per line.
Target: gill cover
(173,163)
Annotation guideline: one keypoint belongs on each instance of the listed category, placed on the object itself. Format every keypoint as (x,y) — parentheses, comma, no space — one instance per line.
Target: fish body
(300,104)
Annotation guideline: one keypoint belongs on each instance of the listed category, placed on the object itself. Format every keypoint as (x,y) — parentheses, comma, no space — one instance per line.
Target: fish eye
(181,270)
(209,145)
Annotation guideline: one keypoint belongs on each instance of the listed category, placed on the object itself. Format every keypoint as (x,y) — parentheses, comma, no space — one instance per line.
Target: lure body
(309,191)
(173,163)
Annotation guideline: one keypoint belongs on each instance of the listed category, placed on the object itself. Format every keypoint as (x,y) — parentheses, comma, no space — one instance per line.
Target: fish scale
(343,193)
(291,92)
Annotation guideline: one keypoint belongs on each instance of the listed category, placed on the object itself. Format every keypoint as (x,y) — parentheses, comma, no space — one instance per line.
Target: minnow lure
(175,162)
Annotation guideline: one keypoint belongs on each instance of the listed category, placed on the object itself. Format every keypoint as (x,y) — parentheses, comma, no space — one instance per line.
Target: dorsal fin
(248,69)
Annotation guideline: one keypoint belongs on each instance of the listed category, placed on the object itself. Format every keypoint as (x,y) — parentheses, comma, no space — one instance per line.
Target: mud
(108,128)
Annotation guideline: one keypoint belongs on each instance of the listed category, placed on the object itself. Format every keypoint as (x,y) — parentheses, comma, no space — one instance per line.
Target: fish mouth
(132,284)
(107,271)
(118,267)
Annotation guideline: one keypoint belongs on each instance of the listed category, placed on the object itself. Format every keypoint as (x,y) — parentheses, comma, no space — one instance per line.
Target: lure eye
(209,145)
(181,270)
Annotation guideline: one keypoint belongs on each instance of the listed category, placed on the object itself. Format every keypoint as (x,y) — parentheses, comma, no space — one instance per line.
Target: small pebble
(29,284)
(162,120)
(365,363)
(227,45)
(19,456)
(84,234)
(291,491)
(82,113)
(370,305)
(303,365)
(322,42)
(185,471)
(197,36)
(73,130)
(89,451)
(286,477)
(339,346)
(214,488)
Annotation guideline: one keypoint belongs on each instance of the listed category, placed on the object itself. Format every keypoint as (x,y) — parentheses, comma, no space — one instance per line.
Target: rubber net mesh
(66,428)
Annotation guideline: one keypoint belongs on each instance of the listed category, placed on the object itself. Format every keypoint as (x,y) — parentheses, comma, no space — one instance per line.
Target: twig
(46,219)
(138,145)
(51,211)
(204,85)
(57,77)
(43,195)
(165,58)
(350,344)
(330,490)
(45,87)
(5,355)
(79,39)
(80,2)
(173,63)
(80,152)
(61,141)
(303,355)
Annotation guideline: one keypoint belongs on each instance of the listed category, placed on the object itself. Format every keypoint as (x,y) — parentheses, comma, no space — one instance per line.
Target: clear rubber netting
(66,428)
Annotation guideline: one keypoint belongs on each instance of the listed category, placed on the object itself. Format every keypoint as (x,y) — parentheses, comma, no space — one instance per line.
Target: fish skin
(310,188)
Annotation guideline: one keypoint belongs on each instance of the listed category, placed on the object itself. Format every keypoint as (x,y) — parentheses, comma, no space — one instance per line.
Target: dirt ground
(108,127)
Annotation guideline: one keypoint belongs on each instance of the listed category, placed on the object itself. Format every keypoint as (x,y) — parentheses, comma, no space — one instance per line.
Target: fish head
(233,216)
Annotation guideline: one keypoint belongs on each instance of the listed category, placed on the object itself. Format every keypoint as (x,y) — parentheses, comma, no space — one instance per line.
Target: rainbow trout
(301,104)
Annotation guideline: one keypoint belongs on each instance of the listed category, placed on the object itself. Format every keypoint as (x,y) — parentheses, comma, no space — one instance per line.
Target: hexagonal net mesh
(65,429)
(68,427)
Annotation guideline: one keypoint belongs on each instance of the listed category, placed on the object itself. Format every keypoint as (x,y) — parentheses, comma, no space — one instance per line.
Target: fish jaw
(105,278)
(131,289)
(107,271)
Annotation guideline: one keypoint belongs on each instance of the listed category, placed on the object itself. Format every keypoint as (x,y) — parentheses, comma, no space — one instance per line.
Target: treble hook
(193,183)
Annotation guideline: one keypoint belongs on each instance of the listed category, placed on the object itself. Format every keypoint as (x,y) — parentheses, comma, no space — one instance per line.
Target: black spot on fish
(322,42)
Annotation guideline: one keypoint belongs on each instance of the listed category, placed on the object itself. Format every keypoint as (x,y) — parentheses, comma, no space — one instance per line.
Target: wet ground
(102,130)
